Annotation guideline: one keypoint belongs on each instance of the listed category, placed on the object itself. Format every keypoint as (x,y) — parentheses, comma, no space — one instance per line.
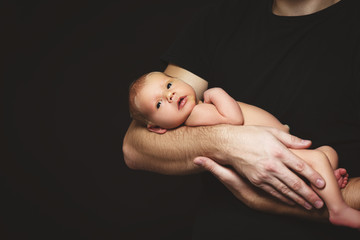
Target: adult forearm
(254,152)
(169,153)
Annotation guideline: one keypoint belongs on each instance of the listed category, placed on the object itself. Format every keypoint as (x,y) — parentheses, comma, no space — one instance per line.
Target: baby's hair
(134,89)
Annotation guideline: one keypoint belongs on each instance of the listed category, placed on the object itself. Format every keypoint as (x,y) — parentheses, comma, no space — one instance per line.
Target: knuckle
(264,176)
(299,166)
(276,152)
(256,180)
(270,166)
(274,193)
(296,186)
(284,189)
(312,197)
(260,178)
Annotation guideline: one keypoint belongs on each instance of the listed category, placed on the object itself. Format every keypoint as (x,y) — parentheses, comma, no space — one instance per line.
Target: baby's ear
(156,129)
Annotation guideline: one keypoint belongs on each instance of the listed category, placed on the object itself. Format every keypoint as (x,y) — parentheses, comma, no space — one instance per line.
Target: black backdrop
(66,70)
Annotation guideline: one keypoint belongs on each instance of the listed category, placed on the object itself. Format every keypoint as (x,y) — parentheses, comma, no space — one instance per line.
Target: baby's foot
(341,176)
(346,217)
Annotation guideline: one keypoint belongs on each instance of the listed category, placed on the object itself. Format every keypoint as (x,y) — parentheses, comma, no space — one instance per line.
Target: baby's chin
(192,98)
(177,123)
(192,101)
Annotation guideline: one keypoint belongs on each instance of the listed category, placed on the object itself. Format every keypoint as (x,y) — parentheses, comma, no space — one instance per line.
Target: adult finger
(289,140)
(272,191)
(294,184)
(304,169)
(232,180)
(285,190)
(300,167)
(225,175)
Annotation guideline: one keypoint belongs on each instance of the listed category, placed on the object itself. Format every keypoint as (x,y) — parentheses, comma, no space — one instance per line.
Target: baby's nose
(171,96)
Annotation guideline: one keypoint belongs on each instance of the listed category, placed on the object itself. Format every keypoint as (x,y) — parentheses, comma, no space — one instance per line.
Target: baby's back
(257,116)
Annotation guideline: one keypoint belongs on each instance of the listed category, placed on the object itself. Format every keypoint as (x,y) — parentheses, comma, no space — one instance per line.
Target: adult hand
(242,189)
(264,159)
(252,196)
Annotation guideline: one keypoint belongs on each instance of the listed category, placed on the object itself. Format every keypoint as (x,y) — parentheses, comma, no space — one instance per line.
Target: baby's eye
(169,85)
(158,105)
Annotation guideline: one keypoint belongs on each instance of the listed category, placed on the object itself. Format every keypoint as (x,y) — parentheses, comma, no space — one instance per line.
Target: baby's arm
(218,108)
(227,107)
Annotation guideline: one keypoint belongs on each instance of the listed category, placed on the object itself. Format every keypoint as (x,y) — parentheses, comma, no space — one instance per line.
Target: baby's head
(161,102)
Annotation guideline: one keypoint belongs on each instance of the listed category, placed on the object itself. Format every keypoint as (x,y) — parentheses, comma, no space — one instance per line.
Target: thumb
(228,177)
(289,140)
(224,174)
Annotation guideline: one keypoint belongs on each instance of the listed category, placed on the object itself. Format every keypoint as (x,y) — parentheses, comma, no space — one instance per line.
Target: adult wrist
(221,140)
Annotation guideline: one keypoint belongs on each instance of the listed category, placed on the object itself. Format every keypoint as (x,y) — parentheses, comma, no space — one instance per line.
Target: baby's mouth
(182,101)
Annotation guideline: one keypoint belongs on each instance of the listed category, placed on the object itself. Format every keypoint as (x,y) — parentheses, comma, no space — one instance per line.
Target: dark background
(65,75)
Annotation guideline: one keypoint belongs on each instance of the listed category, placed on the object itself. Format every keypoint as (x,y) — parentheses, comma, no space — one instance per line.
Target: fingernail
(307,206)
(320,183)
(198,161)
(318,204)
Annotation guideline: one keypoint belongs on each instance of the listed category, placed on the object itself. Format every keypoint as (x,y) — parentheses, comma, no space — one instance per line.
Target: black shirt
(304,70)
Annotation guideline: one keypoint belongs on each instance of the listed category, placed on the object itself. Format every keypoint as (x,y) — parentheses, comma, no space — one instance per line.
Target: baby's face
(167,102)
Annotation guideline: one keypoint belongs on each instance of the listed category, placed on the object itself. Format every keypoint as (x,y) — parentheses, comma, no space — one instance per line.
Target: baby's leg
(330,154)
(341,173)
(340,213)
